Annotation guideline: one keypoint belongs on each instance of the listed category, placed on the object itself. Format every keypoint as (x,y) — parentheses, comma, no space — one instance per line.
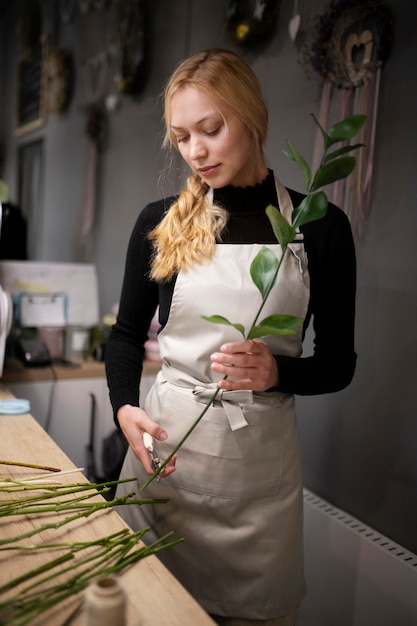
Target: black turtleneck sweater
(331,261)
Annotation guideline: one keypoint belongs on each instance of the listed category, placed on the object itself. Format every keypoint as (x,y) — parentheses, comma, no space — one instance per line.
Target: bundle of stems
(76,564)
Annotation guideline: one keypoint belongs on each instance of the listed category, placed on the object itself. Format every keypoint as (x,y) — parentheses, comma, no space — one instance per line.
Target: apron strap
(231,402)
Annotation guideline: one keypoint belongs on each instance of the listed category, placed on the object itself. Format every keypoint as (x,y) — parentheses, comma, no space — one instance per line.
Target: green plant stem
(85,512)
(47,507)
(64,544)
(17,486)
(31,465)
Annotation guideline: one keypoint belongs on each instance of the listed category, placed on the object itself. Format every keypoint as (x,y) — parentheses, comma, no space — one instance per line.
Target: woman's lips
(208,171)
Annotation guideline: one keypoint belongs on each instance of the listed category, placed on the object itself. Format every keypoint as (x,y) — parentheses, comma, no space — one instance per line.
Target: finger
(170,467)
(240,354)
(142,454)
(237,385)
(239,361)
(154,429)
(251,346)
(234,371)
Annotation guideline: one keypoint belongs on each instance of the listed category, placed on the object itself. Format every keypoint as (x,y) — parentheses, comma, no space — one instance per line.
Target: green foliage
(263,270)
(301,162)
(333,165)
(219,319)
(275,325)
(283,231)
(341,131)
(332,171)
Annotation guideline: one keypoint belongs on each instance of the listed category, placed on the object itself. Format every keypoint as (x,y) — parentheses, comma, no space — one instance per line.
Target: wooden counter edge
(16,372)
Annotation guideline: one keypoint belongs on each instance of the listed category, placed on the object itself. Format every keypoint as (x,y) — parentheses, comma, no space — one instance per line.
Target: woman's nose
(197,148)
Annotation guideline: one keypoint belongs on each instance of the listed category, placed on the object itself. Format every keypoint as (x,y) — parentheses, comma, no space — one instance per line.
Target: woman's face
(214,141)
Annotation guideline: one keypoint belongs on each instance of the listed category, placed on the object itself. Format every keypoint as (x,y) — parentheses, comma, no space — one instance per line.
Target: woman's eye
(182,139)
(212,133)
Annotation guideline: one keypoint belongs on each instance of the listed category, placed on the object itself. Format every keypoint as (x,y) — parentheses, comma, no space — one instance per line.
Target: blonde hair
(188,233)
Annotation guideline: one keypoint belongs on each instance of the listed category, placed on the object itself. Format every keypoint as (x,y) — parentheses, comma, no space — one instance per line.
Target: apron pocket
(241,464)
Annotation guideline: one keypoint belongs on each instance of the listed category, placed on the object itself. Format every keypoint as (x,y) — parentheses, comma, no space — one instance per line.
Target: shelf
(16,372)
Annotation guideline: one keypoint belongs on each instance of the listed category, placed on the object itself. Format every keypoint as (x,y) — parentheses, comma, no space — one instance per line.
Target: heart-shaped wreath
(352,39)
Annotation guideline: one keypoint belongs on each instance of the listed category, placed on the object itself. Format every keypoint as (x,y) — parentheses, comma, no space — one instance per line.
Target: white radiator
(355,575)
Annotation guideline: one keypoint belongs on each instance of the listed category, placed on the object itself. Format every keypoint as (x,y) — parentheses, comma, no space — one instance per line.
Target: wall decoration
(29,80)
(30,100)
(251,27)
(95,130)
(352,42)
(56,80)
(132,37)
(94,73)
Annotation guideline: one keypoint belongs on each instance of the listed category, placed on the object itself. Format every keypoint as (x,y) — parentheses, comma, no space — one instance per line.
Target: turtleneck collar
(247,199)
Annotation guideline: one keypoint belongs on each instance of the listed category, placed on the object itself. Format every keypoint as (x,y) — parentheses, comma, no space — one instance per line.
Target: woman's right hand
(134,422)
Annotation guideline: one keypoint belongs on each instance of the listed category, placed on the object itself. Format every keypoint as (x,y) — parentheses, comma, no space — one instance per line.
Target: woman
(235,487)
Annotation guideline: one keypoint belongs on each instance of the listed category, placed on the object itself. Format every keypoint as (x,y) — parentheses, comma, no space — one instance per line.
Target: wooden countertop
(15,372)
(155,597)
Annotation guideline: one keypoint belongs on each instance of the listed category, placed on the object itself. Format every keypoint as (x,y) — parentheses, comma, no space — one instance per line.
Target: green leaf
(340,151)
(326,138)
(301,162)
(264,269)
(313,207)
(283,231)
(335,170)
(346,129)
(275,325)
(219,319)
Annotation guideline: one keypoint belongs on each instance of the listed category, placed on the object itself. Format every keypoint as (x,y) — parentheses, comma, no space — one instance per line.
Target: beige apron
(236,496)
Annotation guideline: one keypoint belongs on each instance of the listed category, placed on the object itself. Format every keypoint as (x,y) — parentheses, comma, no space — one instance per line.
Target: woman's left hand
(249,364)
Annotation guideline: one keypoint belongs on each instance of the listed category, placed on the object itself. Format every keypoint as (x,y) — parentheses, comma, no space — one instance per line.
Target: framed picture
(30,99)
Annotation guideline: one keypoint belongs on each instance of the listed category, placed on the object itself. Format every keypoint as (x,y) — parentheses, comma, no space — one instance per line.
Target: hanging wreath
(352,39)
(250,27)
(352,42)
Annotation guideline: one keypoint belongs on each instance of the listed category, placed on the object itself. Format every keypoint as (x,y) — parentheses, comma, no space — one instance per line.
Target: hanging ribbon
(94,72)
(94,130)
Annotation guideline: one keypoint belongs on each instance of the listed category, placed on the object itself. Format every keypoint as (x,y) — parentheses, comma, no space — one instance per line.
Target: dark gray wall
(358,445)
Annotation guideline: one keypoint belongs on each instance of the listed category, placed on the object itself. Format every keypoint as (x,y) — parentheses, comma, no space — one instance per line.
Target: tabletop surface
(16,372)
(155,597)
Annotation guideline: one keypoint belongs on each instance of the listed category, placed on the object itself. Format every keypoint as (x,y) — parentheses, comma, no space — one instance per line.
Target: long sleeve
(138,303)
